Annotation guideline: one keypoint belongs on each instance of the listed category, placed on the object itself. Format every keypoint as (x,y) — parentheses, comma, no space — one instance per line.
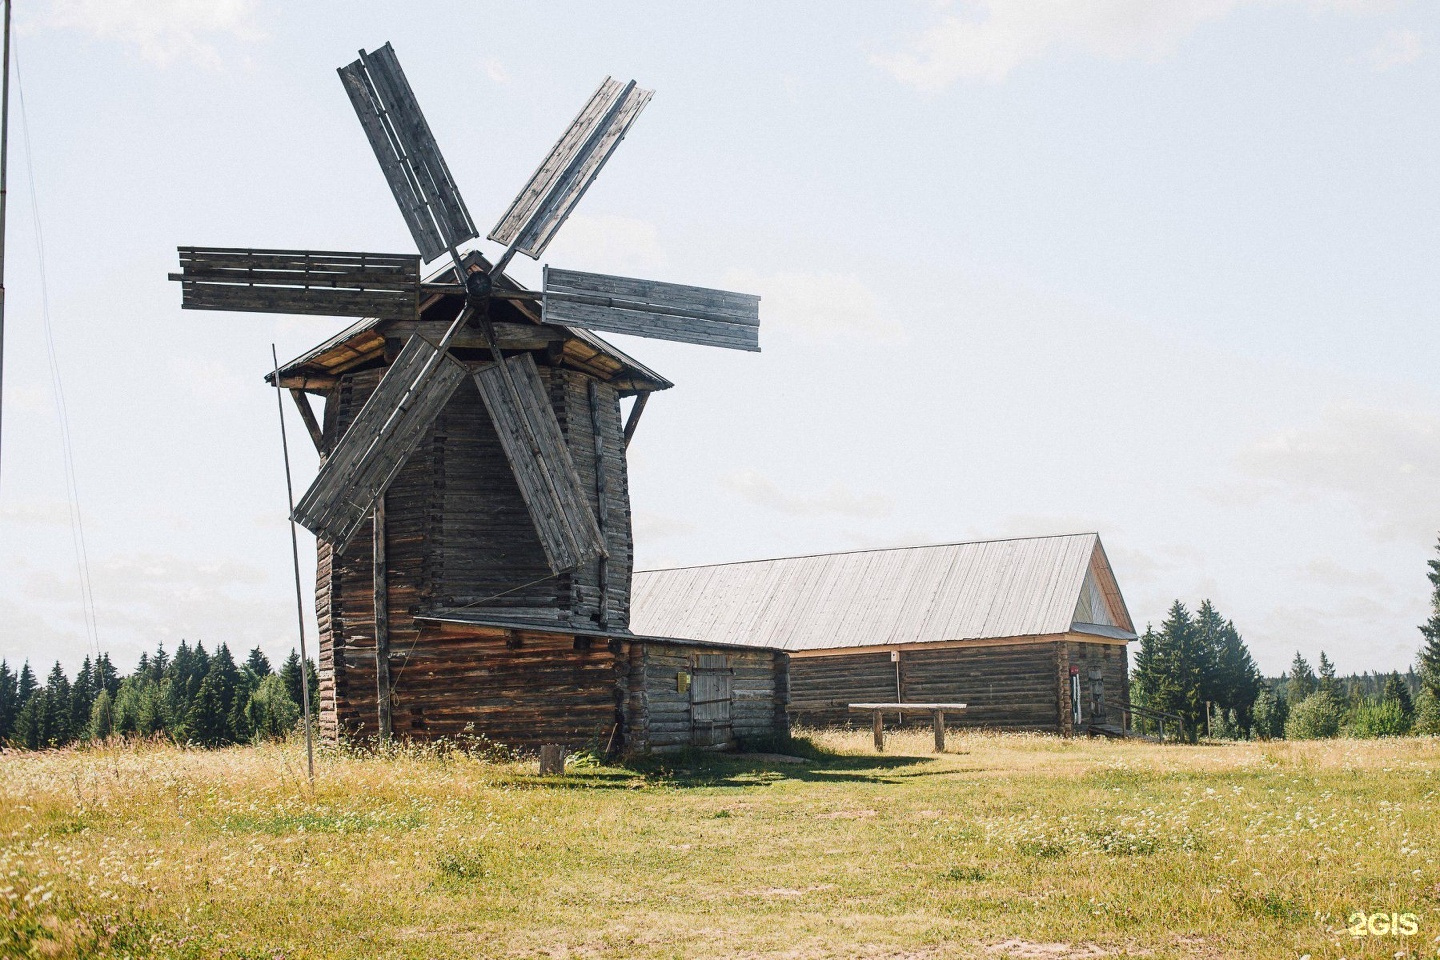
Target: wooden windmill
(543,542)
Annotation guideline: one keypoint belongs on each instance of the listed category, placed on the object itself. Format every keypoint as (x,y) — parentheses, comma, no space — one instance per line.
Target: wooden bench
(936,710)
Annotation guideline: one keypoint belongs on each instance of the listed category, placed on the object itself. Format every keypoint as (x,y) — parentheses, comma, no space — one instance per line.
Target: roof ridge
(843,553)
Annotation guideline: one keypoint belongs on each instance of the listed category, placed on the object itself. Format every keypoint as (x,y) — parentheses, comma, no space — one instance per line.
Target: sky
(1161,270)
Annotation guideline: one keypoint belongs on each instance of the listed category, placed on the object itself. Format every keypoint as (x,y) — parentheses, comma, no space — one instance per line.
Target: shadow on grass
(698,768)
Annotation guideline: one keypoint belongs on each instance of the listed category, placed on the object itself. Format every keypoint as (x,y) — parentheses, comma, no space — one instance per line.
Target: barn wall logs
(1112,660)
(517,688)
(821,688)
(459,537)
(1009,687)
(659,717)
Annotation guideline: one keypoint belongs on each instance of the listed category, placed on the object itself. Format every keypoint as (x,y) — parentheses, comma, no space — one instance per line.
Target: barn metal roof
(987,589)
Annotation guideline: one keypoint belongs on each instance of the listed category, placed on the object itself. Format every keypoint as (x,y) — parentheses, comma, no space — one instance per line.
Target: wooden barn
(442,617)
(1030,633)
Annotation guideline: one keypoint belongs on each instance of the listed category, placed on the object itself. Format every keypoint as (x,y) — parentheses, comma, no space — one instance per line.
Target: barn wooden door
(710,701)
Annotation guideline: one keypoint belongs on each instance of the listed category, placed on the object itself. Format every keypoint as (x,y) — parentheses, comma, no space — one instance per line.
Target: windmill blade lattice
(535,446)
(381,285)
(361,467)
(408,154)
(573,164)
(647,308)
(421,380)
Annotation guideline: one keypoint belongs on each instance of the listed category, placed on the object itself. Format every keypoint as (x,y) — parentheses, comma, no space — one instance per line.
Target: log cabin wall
(517,688)
(345,588)
(458,535)
(1112,659)
(1005,686)
(578,413)
(485,549)
(659,708)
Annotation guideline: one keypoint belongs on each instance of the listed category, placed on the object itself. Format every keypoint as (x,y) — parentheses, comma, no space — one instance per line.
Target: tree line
(1197,667)
(193,696)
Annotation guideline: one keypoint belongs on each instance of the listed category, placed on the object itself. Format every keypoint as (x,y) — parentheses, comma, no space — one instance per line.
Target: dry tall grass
(1004,846)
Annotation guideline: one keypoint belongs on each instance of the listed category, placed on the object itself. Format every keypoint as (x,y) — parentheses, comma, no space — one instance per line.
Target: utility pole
(4,152)
(299,596)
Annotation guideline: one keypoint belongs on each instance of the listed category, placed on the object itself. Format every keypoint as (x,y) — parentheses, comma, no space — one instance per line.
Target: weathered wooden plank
(307,414)
(373,450)
(676,298)
(386,286)
(541,462)
(602,513)
(407,152)
(573,163)
(647,308)
(382,622)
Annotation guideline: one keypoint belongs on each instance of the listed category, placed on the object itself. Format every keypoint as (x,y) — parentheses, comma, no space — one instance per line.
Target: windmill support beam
(382,626)
(602,512)
(633,420)
(307,414)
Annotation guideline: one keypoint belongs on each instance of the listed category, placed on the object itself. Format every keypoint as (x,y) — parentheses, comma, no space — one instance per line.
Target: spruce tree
(82,698)
(207,723)
(1302,680)
(290,673)
(1232,680)
(26,684)
(102,717)
(1397,692)
(1327,684)
(9,700)
(106,676)
(58,722)
(30,723)
(258,663)
(1429,659)
(1170,669)
(159,663)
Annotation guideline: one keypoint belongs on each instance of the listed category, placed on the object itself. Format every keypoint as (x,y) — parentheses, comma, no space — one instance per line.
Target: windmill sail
(407,152)
(574,162)
(647,308)
(540,460)
(382,437)
(321,283)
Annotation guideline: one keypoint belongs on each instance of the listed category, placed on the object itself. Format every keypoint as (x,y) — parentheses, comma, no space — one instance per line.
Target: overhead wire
(72,488)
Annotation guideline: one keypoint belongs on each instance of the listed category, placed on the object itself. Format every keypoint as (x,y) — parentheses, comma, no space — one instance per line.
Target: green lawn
(1005,846)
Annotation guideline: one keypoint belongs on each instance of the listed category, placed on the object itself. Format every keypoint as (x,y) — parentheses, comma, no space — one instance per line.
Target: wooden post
(382,624)
(307,414)
(552,760)
(633,420)
(878,721)
(602,512)
(939,731)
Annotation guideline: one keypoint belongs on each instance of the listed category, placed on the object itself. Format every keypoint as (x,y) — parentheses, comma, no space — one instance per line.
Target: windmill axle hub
(477,288)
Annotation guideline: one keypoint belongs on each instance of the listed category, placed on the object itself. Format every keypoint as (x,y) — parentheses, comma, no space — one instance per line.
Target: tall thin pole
(4,152)
(295,555)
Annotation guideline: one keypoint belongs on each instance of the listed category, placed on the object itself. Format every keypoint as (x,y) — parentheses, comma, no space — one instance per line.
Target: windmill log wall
(1022,685)
(459,540)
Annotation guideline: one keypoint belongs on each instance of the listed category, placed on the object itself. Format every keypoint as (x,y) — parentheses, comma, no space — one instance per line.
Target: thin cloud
(161,31)
(609,243)
(1387,462)
(1396,49)
(825,306)
(497,73)
(994,37)
(754,487)
(655,526)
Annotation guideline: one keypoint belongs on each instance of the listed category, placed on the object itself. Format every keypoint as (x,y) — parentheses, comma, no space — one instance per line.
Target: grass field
(1006,846)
